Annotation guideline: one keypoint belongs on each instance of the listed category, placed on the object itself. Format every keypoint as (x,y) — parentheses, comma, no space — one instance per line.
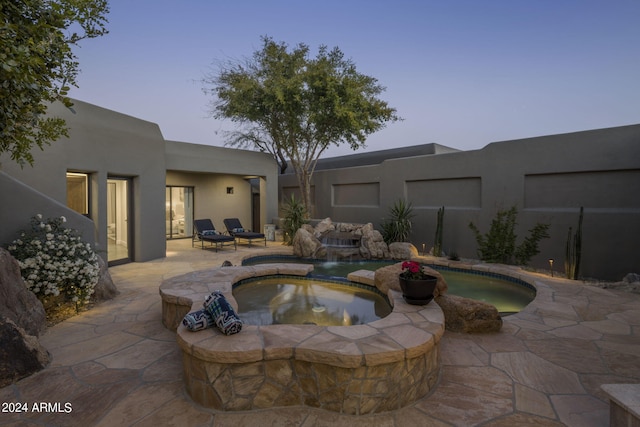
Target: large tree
(38,66)
(295,107)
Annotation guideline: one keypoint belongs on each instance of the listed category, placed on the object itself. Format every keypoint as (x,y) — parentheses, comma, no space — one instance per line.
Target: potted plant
(417,286)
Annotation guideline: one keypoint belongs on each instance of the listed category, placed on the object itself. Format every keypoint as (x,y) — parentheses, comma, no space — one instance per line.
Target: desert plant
(499,244)
(529,246)
(437,245)
(573,250)
(398,227)
(294,217)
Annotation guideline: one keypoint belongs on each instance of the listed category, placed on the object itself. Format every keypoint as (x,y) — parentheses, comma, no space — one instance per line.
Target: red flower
(412,270)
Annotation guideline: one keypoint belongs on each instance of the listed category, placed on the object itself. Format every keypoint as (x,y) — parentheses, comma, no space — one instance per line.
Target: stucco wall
(20,203)
(211,199)
(102,143)
(546,178)
(210,170)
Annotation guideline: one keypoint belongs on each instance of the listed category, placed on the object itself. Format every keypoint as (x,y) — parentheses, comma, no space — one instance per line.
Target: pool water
(507,295)
(291,300)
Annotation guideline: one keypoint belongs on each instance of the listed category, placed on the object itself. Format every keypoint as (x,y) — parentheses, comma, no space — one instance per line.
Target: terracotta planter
(418,292)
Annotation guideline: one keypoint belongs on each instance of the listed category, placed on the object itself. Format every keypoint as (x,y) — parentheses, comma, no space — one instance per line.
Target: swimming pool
(508,294)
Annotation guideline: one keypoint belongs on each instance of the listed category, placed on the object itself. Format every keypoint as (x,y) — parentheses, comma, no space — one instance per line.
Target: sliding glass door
(118,231)
(179,212)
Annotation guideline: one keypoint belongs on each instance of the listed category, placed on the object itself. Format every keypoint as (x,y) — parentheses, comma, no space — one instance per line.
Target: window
(78,192)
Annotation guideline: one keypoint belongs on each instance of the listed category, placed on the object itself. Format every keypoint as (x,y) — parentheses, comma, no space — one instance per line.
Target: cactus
(437,245)
(573,251)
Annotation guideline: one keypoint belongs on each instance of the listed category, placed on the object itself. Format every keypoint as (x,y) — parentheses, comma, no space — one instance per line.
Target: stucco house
(127,189)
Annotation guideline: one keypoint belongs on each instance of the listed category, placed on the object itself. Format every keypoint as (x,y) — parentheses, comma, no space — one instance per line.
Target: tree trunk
(304,182)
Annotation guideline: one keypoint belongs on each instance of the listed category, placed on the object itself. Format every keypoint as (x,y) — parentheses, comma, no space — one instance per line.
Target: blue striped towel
(222,313)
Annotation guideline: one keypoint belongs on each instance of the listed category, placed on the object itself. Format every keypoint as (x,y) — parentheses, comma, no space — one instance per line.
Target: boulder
(347,227)
(468,315)
(386,278)
(17,303)
(105,288)
(402,250)
(323,227)
(306,245)
(372,244)
(20,353)
(309,228)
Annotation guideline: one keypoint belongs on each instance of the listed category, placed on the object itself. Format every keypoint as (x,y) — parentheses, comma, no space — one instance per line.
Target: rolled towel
(198,320)
(222,313)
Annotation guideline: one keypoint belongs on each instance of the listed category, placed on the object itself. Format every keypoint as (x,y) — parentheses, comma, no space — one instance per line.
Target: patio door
(118,227)
(179,212)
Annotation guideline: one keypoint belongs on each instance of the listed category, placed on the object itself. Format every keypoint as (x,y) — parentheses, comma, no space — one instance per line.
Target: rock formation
(372,244)
(367,242)
(17,303)
(306,245)
(323,227)
(402,250)
(469,315)
(105,289)
(20,353)
(22,319)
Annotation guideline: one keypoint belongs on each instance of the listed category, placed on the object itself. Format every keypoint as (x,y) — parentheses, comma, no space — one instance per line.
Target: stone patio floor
(116,365)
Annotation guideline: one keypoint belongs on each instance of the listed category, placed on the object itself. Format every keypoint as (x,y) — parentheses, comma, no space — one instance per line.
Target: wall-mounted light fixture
(229,190)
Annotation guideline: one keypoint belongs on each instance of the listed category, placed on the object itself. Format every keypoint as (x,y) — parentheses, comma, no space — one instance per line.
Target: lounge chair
(204,231)
(235,229)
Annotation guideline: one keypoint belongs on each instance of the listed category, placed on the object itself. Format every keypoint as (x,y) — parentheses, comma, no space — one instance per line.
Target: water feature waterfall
(341,245)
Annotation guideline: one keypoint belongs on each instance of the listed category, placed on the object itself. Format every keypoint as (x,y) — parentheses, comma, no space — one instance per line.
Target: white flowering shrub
(54,260)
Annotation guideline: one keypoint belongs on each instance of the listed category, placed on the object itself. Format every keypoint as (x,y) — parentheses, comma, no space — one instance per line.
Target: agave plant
(294,217)
(398,227)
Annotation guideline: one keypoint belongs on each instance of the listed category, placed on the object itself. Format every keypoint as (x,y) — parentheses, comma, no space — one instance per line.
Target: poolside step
(365,277)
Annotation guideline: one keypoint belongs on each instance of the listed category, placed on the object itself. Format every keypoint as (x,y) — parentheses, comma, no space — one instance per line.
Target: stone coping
(360,369)
(627,396)
(408,332)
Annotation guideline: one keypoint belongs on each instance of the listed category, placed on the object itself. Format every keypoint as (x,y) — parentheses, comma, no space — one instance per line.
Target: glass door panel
(118,220)
(179,212)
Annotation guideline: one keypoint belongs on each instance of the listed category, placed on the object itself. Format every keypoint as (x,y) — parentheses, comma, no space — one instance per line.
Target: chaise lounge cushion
(206,232)
(235,228)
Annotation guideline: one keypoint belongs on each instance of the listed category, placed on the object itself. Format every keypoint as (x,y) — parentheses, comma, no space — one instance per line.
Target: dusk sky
(461,73)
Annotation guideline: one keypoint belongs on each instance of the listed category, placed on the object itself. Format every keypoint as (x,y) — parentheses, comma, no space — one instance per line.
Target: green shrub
(294,217)
(55,261)
(398,227)
(499,244)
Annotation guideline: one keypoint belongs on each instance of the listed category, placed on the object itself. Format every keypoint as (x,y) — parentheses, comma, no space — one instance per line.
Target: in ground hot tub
(299,300)
(359,369)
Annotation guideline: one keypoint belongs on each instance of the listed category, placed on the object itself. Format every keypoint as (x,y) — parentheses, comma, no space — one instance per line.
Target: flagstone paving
(117,365)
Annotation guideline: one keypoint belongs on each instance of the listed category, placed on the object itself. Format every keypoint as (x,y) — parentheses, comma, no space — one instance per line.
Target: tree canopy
(293,106)
(38,66)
